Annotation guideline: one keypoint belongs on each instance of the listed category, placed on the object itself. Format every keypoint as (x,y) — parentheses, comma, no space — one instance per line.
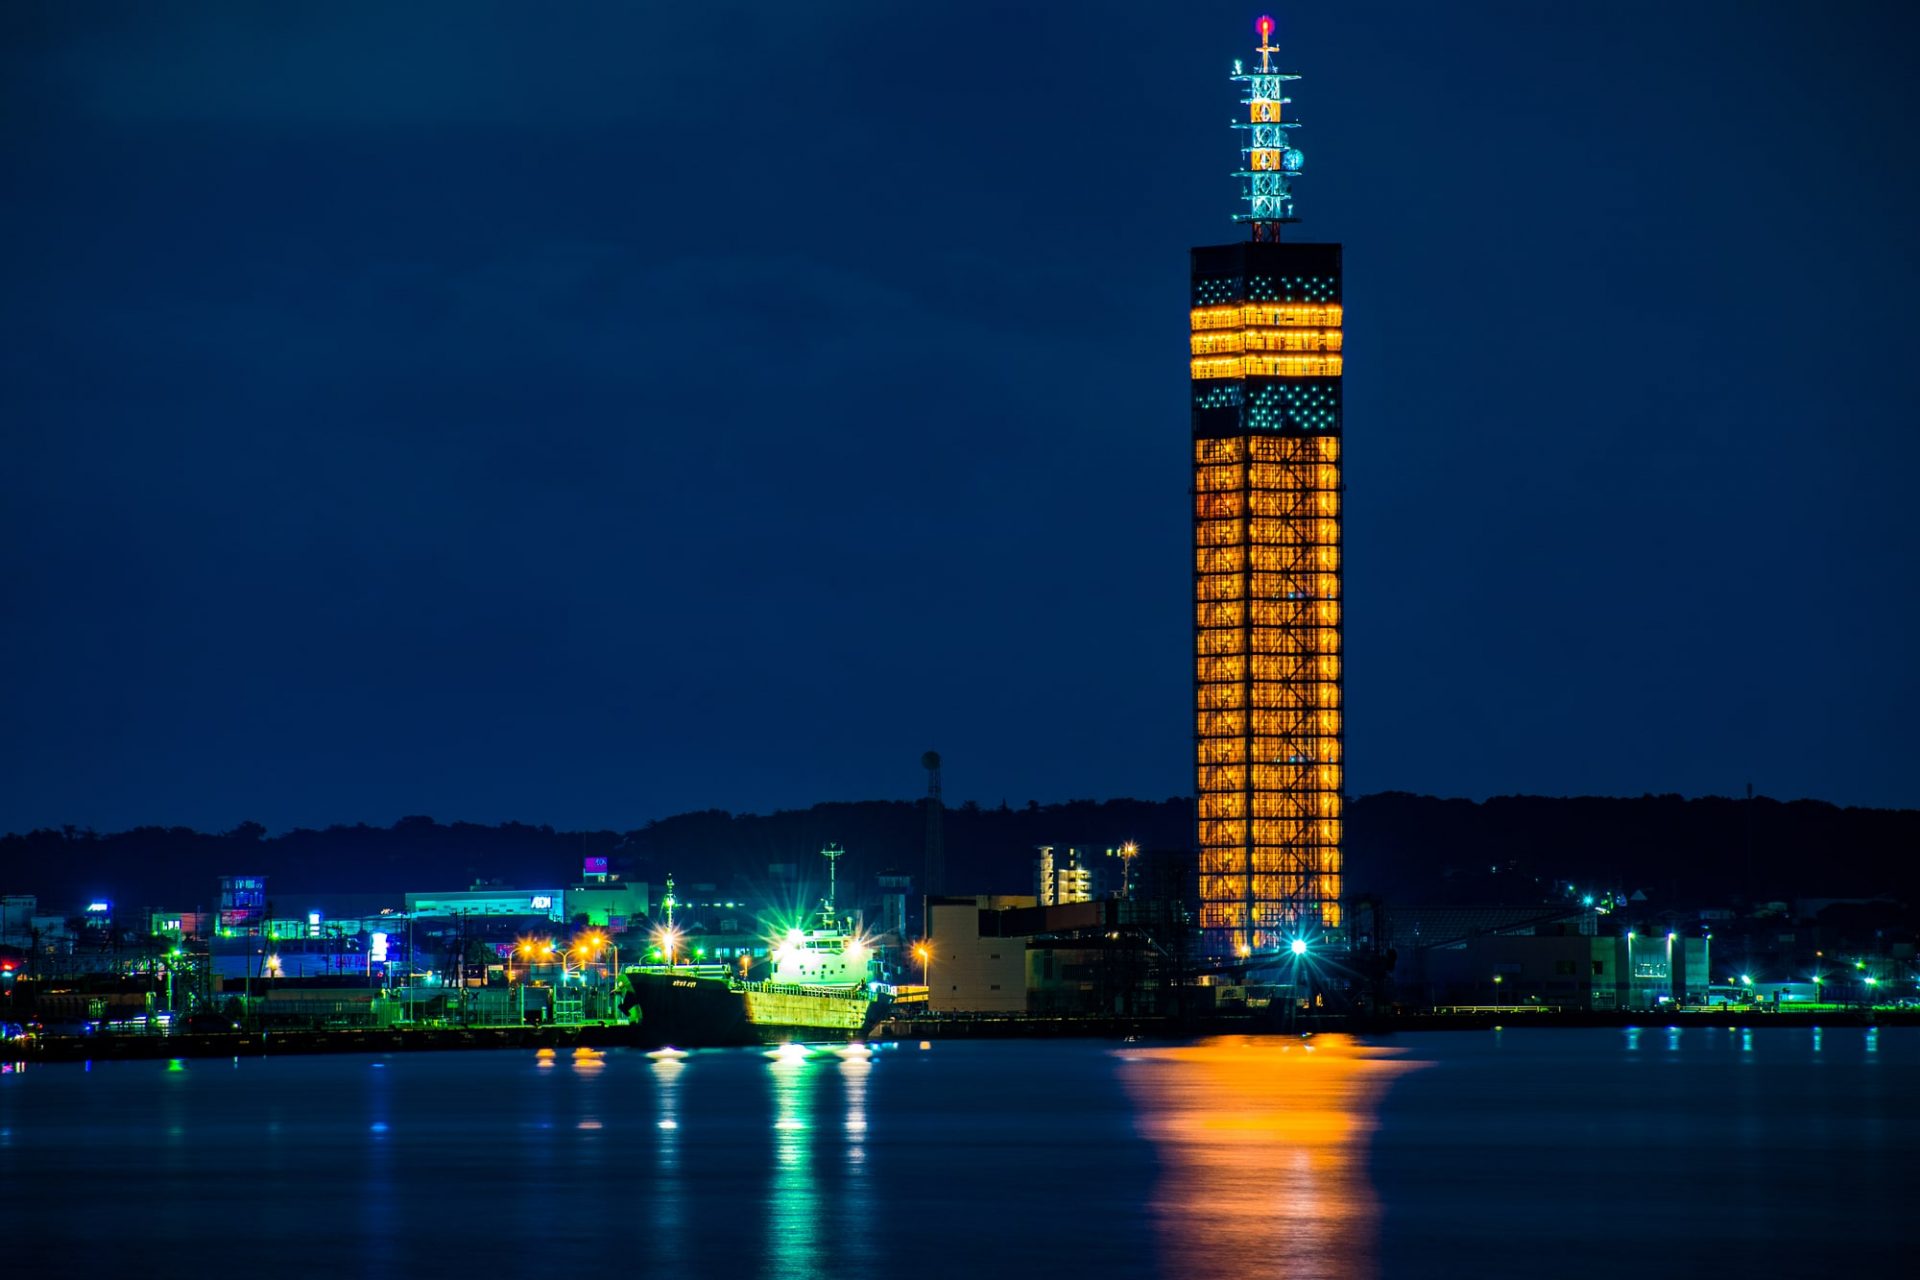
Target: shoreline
(129,1048)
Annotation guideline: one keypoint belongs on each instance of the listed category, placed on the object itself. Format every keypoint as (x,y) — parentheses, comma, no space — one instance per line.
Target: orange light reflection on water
(1262,1144)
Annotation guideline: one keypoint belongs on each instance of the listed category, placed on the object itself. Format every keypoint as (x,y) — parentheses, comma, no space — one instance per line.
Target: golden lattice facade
(1267,359)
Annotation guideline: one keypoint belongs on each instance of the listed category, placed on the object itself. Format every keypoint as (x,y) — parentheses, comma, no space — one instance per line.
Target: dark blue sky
(585,413)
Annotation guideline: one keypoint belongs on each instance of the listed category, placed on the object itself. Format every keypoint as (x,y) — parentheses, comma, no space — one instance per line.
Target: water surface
(1580,1152)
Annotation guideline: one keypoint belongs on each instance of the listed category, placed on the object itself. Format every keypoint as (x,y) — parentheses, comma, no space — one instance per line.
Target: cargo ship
(818,988)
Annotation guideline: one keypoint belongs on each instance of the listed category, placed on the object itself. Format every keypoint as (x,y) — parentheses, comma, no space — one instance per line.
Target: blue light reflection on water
(1767,1150)
(1428,1155)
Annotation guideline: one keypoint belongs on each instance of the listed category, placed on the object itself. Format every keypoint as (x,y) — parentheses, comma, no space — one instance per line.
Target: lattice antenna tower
(1268,161)
(936,845)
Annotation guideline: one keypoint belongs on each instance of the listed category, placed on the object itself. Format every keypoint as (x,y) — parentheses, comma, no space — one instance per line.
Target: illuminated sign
(98,908)
(542,902)
(377,951)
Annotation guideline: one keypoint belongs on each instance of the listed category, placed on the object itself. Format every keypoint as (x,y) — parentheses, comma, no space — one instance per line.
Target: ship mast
(832,853)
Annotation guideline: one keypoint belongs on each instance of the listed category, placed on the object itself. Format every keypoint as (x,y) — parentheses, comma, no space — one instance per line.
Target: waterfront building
(181,926)
(1060,878)
(890,920)
(17,911)
(1266,361)
(969,969)
(1558,967)
(1004,954)
(491,900)
(613,905)
(243,904)
(1094,971)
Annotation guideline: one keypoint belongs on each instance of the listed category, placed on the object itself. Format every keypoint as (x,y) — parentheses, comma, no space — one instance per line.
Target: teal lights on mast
(1269,159)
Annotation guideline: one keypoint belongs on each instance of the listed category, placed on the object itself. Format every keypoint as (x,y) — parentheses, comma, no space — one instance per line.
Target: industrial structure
(1266,372)
(936,867)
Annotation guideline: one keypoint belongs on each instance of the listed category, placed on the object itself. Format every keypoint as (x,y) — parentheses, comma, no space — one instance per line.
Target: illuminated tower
(1266,321)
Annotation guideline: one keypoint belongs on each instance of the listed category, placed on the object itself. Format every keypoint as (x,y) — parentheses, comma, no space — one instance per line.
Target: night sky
(583,413)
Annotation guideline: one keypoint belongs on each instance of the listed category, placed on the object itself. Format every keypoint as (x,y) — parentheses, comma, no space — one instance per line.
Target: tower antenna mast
(1269,161)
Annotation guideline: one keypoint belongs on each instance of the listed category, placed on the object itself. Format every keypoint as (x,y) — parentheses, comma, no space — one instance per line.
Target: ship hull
(708,1012)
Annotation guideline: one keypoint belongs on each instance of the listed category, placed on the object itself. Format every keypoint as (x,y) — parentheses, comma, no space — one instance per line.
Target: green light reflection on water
(793,1224)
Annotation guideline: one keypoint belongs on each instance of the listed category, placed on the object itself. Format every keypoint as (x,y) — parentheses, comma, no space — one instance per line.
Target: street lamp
(924,954)
(1497,980)
(1128,852)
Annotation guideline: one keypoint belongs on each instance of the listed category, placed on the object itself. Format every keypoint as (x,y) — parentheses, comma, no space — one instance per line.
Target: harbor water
(1517,1152)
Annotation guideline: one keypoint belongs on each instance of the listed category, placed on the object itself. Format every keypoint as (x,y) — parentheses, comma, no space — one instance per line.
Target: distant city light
(1299,946)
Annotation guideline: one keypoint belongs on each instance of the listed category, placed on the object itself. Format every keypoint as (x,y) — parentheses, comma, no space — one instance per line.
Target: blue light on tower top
(1269,160)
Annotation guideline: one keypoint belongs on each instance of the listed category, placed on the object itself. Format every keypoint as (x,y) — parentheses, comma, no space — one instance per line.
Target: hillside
(1403,847)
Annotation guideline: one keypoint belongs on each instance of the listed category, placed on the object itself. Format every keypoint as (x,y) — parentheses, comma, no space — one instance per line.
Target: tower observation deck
(1266,361)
